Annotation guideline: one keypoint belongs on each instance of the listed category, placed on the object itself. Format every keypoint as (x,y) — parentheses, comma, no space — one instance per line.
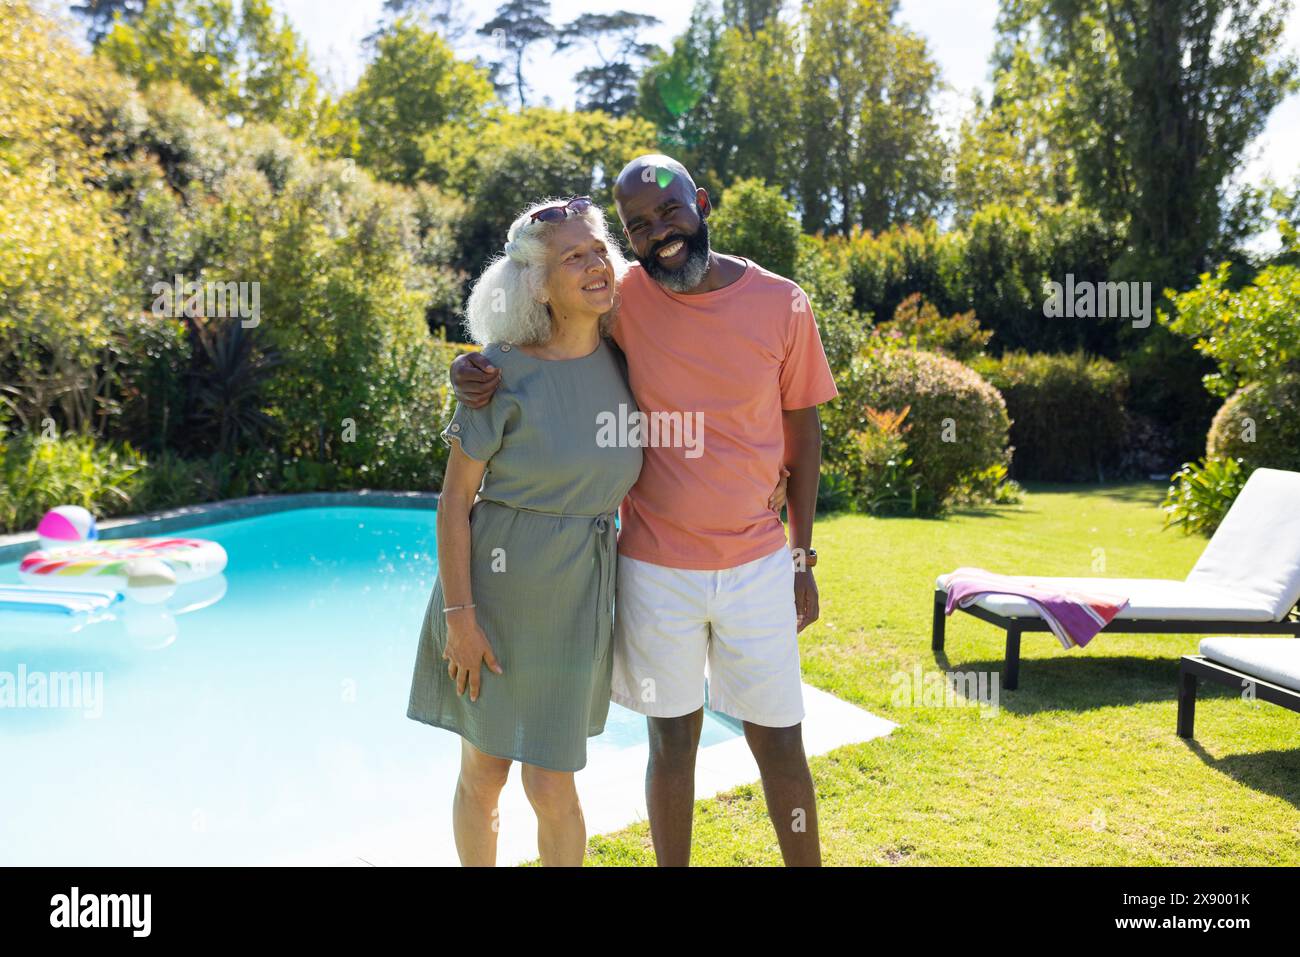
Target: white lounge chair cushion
(1256,551)
(1275,660)
(1150,599)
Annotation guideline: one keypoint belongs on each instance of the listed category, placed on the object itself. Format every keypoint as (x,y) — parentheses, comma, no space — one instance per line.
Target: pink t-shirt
(712,373)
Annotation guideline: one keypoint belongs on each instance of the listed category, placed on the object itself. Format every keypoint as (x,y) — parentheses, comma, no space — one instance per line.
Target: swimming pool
(264,723)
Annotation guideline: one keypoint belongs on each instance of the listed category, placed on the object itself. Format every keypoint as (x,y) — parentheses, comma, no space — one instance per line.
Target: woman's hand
(467,649)
(776,501)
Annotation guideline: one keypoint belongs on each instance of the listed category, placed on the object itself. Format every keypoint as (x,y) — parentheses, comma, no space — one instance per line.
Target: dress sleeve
(480,431)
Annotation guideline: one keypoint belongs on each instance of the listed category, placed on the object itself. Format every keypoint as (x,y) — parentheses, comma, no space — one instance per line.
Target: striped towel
(1075,617)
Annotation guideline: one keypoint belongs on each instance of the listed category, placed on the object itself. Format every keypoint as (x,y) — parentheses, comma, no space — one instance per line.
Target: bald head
(653,170)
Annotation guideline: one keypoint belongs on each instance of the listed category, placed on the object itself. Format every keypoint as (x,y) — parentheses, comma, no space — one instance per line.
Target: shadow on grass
(1080,684)
(1132,493)
(1269,772)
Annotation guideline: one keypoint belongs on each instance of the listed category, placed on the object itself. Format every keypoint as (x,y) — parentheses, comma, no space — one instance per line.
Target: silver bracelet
(459,607)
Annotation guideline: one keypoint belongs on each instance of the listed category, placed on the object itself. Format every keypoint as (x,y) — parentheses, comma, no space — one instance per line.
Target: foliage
(755,221)
(1252,333)
(957,422)
(1163,98)
(1068,421)
(918,325)
(37,474)
(247,63)
(1200,494)
(1259,426)
(414,85)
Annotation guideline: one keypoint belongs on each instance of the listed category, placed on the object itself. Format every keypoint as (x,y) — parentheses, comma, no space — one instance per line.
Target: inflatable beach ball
(66,525)
(149,581)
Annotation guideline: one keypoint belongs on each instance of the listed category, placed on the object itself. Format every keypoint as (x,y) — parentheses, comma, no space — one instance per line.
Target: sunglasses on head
(553,214)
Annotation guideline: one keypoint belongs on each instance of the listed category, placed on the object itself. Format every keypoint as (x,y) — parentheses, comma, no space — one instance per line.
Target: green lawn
(1080,765)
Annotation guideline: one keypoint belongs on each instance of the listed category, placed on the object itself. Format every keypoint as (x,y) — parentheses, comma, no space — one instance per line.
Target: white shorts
(671,624)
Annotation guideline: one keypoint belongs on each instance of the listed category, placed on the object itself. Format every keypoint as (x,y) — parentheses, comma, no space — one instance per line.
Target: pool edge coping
(14,547)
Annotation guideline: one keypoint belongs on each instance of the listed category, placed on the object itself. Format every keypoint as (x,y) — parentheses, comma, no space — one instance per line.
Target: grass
(1081,765)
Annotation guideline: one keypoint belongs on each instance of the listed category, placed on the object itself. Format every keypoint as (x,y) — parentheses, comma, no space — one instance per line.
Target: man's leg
(788,788)
(754,676)
(670,785)
(661,639)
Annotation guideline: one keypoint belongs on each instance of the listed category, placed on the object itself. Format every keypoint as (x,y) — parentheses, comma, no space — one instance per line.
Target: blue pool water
(264,724)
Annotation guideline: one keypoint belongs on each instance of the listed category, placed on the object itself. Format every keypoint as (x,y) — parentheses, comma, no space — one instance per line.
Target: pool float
(143,568)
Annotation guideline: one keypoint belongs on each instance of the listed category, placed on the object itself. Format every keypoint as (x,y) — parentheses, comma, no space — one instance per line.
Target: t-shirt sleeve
(806,377)
(480,431)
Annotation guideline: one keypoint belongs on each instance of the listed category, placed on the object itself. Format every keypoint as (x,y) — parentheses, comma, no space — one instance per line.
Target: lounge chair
(1264,668)
(1246,582)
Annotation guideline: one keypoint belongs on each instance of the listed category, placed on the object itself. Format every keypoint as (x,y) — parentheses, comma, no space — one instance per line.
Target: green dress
(542,559)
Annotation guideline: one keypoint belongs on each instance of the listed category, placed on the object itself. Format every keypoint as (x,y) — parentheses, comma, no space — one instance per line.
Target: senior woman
(514,655)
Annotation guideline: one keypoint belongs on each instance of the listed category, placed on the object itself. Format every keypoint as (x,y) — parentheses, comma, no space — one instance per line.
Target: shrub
(1067,414)
(755,221)
(1260,426)
(957,423)
(822,273)
(918,325)
(1201,494)
(38,473)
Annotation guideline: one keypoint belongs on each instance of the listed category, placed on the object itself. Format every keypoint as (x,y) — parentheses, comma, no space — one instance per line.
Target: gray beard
(689,276)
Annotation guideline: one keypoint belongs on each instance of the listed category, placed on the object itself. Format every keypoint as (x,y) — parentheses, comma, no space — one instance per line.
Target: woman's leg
(561,830)
(474,810)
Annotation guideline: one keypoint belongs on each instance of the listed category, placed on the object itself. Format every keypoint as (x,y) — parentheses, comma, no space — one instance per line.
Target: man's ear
(702,203)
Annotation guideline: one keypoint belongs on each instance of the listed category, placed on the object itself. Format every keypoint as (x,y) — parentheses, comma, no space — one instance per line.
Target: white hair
(505,304)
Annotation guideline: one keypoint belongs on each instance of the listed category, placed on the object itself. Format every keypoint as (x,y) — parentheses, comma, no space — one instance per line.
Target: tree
(445,17)
(873,154)
(100,14)
(755,221)
(1011,150)
(726,102)
(612,85)
(414,84)
(1162,97)
(249,66)
(519,24)
(750,15)
(511,159)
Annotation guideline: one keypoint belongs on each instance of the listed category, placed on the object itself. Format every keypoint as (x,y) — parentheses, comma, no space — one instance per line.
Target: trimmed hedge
(1259,424)
(1068,422)
(957,425)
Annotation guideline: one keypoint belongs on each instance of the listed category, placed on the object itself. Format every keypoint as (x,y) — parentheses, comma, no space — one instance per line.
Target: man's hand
(806,606)
(776,501)
(474,379)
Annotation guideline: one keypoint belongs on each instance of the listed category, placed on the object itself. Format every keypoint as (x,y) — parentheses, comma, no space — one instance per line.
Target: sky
(959,34)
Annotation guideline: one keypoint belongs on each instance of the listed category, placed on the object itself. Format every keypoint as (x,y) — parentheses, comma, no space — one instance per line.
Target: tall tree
(610,85)
(100,14)
(873,155)
(518,25)
(445,17)
(414,85)
(1162,98)
(750,15)
(250,65)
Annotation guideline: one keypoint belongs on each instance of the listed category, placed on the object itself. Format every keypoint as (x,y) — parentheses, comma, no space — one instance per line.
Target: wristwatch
(809,556)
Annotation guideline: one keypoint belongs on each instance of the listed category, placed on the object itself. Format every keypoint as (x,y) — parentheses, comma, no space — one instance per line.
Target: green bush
(1067,414)
(1260,426)
(37,474)
(957,423)
(1201,494)
(821,271)
(918,325)
(755,221)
